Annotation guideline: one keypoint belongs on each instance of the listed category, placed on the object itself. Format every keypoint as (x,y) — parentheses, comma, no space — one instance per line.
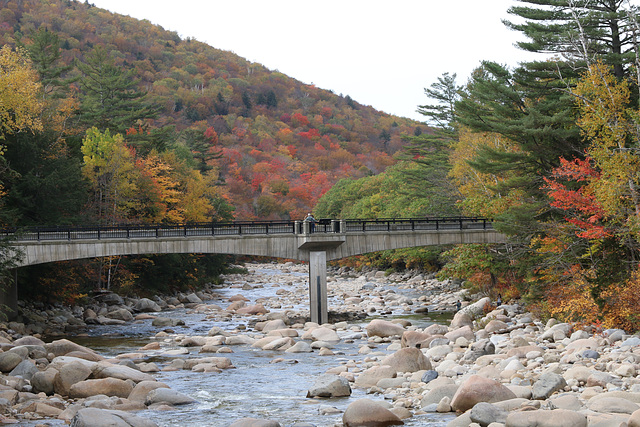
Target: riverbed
(263,384)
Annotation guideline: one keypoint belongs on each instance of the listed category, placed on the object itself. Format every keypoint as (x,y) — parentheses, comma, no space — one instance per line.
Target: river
(257,387)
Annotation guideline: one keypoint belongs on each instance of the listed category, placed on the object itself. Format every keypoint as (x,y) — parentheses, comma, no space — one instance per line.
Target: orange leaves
(211,135)
(622,301)
(572,300)
(583,209)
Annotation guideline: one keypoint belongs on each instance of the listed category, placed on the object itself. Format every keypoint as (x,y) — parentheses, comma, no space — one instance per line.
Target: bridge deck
(281,239)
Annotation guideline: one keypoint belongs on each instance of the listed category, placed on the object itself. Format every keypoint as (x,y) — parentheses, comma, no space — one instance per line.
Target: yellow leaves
(108,164)
(478,189)
(20,105)
(610,125)
(603,104)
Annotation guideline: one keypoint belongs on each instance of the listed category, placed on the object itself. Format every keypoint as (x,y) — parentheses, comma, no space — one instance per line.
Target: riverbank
(503,367)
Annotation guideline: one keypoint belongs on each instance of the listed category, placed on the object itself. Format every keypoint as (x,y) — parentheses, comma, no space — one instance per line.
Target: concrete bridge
(316,244)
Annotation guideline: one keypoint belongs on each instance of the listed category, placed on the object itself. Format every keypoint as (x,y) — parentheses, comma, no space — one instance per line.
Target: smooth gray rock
(25,369)
(436,394)
(42,381)
(9,360)
(546,385)
(94,417)
(485,413)
(145,305)
(428,376)
(166,395)
(329,385)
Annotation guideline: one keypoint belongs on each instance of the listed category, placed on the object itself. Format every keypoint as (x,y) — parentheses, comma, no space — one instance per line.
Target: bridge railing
(323,226)
(415,224)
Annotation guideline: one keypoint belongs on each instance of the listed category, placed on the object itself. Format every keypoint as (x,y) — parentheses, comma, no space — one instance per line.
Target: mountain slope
(283,143)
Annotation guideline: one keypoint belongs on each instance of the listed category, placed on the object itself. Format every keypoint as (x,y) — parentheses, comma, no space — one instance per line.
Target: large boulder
(371,376)
(545,418)
(145,305)
(436,394)
(106,386)
(68,375)
(279,344)
(299,347)
(324,334)
(9,360)
(329,385)
(414,339)
(615,405)
(384,328)
(273,325)
(547,384)
(28,340)
(477,308)
(43,381)
(142,389)
(464,331)
(167,396)
(485,413)
(495,326)
(25,369)
(460,319)
(479,389)
(366,412)
(408,359)
(64,346)
(120,314)
(94,417)
(121,372)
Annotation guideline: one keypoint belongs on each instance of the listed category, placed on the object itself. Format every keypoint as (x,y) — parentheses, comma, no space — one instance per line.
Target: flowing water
(257,387)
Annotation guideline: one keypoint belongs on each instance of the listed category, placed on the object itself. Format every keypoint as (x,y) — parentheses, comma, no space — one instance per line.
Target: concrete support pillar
(318,286)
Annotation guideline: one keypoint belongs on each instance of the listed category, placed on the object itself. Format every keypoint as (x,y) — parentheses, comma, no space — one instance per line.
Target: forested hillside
(274,144)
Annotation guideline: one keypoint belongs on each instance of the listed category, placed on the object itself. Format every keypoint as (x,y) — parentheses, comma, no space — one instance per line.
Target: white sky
(381,53)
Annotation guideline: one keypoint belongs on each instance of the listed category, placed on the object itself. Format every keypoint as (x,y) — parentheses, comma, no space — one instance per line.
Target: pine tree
(430,150)
(110,98)
(44,52)
(578,30)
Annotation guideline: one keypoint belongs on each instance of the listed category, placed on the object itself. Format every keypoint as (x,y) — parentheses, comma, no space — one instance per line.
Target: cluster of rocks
(106,308)
(513,371)
(73,383)
(501,368)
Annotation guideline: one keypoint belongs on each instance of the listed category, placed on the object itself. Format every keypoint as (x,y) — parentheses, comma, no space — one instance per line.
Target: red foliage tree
(583,210)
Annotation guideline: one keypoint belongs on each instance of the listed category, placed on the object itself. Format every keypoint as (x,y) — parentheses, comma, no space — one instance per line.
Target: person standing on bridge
(312,222)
